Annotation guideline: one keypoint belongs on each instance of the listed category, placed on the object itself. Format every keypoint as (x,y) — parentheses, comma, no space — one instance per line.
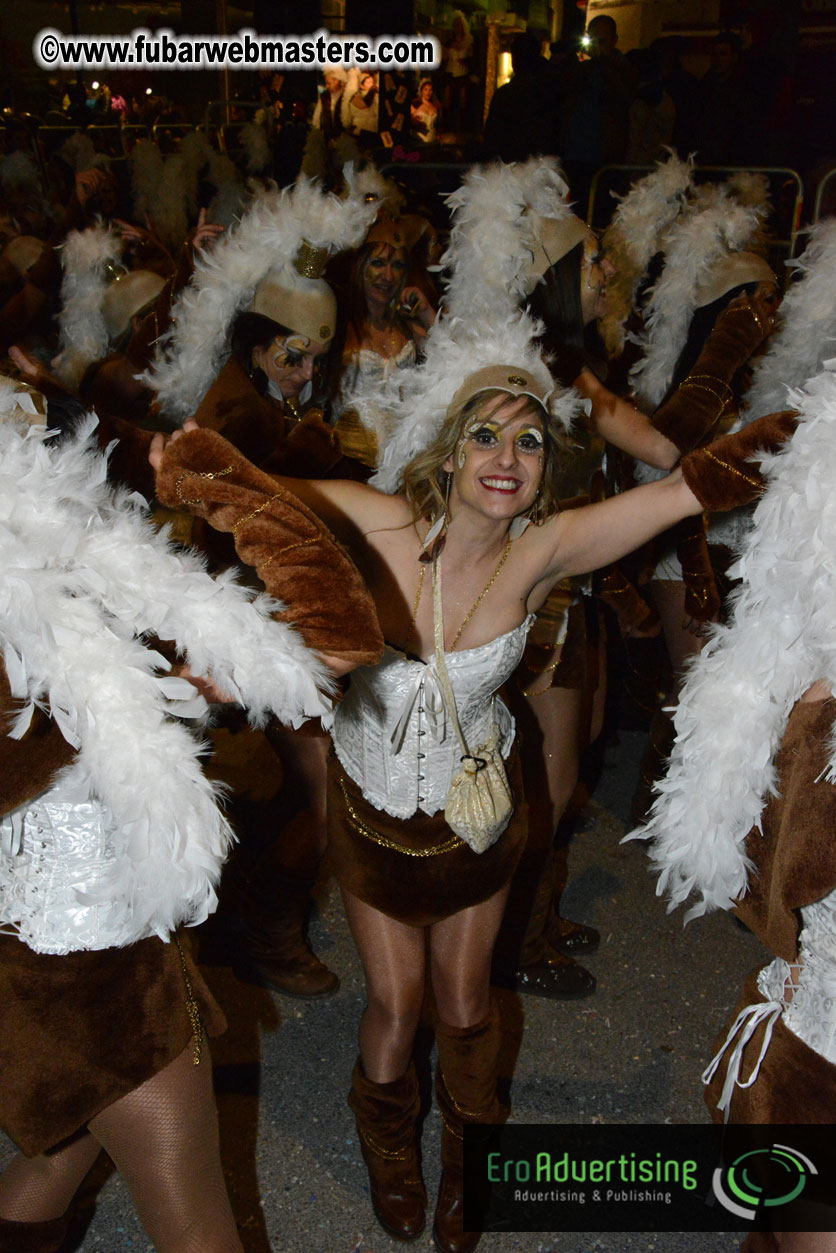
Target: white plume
(694,244)
(807,335)
(738,694)
(636,233)
(86,258)
(491,240)
(83,577)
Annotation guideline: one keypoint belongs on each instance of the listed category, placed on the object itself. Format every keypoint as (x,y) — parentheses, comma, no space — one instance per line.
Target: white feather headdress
(492,235)
(807,335)
(87,258)
(694,245)
(270,233)
(83,578)
(491,247)
(164,190)
(738,694)
(454,350)
(636,233)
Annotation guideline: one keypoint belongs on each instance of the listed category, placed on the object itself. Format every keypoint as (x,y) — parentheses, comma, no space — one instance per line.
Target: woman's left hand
(420,308)
(161,441)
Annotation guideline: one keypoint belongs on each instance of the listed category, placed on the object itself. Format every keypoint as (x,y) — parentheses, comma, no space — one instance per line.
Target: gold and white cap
(298,297)
(128,295)
(502,378)
(553,239)
(732,271)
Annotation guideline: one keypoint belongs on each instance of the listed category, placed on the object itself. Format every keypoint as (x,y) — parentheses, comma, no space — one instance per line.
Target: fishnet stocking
(37,1189)
(163,1139)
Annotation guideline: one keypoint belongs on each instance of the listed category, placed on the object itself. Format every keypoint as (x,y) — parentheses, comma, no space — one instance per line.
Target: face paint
(482,431)
(289,352)
(529,439)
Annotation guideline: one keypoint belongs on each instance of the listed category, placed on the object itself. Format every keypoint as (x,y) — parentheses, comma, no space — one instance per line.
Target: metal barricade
(825,202)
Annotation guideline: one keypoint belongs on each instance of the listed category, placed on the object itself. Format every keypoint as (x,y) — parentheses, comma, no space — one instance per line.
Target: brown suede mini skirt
(415,869)
(82,1030)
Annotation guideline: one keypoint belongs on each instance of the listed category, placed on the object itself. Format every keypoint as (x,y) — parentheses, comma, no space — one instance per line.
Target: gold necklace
(473,607)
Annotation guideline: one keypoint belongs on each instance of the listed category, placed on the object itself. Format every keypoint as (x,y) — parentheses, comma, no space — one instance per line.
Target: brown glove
(294,555)
(702,595)
(687,417)
(635,615)
(724,475)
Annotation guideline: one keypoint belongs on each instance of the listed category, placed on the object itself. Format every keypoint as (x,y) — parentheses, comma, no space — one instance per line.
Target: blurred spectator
(683,89)
(518,124)
(327,114)
(362,110)
(425,112)
(652,113)
(596,126)
(458,69)
(727,109)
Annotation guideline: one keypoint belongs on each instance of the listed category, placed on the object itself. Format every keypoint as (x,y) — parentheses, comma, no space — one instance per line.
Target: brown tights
(163,1139)
(394,957)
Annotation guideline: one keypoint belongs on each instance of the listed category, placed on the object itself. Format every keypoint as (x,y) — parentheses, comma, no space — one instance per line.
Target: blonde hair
(425,481)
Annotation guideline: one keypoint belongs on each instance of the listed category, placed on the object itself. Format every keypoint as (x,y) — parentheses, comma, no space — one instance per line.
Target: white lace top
(803,994)
(392,735)
(811,1013)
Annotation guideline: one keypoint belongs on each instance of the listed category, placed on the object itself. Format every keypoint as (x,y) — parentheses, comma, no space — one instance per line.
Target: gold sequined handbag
(479,802)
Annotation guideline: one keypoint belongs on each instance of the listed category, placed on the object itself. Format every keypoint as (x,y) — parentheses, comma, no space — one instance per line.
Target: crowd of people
(499,444)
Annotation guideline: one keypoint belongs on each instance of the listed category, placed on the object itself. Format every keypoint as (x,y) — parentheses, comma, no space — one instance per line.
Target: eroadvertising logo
(741,1187)
(649,1177)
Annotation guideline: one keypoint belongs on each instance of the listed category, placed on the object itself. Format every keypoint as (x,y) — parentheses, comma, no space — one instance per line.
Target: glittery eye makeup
(529,439)
(289,352)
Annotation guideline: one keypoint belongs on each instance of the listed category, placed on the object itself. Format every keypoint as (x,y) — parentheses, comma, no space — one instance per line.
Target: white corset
(811,1013)
(391,732)
(51,852)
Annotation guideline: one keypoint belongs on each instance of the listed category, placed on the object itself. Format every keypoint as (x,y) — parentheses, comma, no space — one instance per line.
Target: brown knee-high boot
(45,1237)
(387,1122)
(465,1088)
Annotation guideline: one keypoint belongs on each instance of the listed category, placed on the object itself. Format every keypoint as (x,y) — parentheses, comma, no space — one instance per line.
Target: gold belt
(362,828)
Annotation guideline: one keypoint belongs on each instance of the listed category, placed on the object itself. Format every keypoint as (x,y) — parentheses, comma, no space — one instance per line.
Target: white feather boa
(636,233)
(269,234)
(738,694)
(807,335)
(695,243)
(86,257)
(83,576)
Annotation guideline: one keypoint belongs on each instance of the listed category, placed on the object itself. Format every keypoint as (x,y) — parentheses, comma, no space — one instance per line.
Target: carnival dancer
(246,356)
(756,716)
(111,840)
(424,869)
(515,240)
(709,312)
(385,321)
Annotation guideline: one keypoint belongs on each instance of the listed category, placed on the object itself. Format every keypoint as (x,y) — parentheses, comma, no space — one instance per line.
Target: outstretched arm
(720,476)
(625,426)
